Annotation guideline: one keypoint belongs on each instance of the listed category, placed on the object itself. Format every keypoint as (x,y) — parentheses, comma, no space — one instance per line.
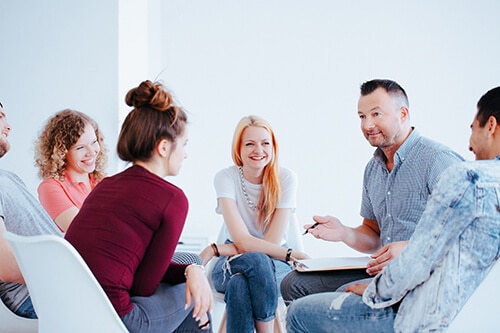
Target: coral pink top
(58,195)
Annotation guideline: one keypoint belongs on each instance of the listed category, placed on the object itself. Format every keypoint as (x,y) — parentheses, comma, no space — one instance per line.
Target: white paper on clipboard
(331,264)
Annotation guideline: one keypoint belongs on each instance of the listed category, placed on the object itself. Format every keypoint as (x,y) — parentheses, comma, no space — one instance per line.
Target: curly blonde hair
(59,134)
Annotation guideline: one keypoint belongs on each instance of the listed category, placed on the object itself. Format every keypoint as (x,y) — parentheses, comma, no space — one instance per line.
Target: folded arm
(245,242)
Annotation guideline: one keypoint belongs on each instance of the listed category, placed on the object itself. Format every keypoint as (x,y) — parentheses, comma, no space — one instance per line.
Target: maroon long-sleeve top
(127,231)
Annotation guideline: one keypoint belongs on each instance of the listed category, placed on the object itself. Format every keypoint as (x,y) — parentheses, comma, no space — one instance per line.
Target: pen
(311,227)
(298,264)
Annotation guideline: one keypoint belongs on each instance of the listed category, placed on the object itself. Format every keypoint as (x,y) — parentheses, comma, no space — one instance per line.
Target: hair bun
(149,94)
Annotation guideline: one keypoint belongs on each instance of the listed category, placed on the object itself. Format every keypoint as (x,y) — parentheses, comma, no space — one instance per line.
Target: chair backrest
(294,234)
(64,292)
(480,312)
(12,323)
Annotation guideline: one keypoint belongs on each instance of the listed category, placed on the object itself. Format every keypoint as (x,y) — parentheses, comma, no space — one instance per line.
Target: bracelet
(193,265)
(288,254)
(216,249)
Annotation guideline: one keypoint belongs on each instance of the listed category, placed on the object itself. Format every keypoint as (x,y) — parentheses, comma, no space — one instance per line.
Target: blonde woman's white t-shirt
(228,185)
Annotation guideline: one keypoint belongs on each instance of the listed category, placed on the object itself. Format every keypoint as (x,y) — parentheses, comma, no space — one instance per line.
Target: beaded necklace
(244,189)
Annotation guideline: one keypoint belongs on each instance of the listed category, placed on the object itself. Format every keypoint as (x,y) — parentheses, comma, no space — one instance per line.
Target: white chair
(64,292)
(480,312)
(294,237)
(12,323)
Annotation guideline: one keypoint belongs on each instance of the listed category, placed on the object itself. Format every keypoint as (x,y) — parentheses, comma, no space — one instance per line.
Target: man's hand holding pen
(310,228)
(327,228)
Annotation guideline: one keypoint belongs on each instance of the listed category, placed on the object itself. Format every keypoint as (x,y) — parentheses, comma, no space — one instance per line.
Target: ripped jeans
(338,312)
(250,285)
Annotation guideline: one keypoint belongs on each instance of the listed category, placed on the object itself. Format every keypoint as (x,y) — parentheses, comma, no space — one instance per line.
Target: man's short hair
(391,87)
(489,105)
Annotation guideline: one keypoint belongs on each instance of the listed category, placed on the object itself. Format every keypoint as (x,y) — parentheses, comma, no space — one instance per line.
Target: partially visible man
(21,214)
(454,246)
(397,182)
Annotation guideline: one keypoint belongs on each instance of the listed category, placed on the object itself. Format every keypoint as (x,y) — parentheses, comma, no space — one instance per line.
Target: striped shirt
(397,199)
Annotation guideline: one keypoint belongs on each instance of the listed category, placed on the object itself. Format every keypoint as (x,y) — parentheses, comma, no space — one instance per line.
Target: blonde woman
(257,198)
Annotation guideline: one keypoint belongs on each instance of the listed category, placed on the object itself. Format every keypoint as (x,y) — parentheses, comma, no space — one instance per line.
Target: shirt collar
(69,179)
(402,151)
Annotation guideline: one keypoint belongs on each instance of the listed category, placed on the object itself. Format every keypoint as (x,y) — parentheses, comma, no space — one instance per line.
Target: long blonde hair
(271,185)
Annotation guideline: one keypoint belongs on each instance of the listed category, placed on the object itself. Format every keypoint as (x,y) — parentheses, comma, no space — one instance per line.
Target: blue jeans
(250,285)
(162,312)
(337,312)
(26,309)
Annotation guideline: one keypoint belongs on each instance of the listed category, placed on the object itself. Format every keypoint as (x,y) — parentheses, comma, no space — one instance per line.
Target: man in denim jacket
(453,248)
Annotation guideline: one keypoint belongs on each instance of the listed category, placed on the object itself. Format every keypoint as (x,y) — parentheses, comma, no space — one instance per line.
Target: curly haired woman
(71,158)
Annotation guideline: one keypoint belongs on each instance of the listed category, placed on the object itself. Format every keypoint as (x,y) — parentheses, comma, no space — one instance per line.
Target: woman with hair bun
(130,224)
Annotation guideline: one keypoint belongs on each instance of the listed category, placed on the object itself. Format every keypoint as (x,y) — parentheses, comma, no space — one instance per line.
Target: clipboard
(331,264)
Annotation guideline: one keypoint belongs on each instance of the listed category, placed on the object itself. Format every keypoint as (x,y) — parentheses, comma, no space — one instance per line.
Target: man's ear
(404,112)
(492,124)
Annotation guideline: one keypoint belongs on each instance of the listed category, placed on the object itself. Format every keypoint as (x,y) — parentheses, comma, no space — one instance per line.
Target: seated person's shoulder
(229,173)
(471,171)
(8,178)
(287,173)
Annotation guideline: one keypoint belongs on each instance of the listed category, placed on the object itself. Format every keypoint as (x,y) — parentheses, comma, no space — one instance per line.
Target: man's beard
(4,147)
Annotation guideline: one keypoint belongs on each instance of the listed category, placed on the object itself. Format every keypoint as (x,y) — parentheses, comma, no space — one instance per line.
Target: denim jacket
(454,246)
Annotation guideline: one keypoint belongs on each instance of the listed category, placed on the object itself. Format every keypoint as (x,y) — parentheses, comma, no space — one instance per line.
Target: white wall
(299,64)
(56,55)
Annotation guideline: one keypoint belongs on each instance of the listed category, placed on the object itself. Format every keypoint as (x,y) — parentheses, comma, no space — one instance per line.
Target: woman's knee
(256,257)
(259,262)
